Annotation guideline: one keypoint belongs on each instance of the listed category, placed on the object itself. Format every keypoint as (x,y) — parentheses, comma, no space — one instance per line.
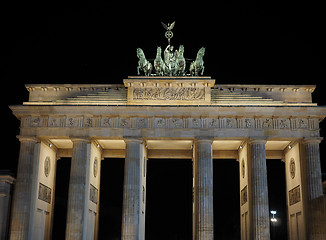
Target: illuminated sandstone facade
(167,117)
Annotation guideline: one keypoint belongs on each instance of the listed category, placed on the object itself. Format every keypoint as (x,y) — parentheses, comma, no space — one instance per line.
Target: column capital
(257,140)
(80,139)
(129,139)
(312,140)
(203,140)
(28,139)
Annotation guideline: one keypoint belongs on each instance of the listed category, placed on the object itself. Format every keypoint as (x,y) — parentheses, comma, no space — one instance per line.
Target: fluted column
(22,194)
(203,192)
(316,207)
(132,187)
(78,190)
(259,191)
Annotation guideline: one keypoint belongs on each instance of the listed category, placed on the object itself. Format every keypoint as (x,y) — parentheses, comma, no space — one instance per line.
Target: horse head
(140,53)
(201,52)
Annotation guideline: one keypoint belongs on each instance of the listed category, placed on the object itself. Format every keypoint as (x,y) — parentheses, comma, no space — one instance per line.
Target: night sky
(267,42)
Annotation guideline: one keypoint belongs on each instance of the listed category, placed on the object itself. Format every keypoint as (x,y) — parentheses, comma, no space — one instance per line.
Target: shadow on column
(169,199)
(226,199)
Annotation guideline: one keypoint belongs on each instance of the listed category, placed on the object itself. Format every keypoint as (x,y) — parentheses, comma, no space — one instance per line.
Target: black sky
(263,42)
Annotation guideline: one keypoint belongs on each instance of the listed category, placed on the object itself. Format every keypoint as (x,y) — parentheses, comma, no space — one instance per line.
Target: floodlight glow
(273,220)
(273,212)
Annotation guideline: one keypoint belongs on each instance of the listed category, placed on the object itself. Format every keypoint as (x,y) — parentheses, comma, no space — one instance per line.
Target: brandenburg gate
(175,117)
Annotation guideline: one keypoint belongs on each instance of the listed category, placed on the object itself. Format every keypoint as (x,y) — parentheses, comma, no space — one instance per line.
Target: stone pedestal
(133,227)
(259,191)
(78,190)
(316,214)
(21,209)
(203,190)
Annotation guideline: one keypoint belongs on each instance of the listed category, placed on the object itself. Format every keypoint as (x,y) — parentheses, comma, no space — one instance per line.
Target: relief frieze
(186,93)
(170,122)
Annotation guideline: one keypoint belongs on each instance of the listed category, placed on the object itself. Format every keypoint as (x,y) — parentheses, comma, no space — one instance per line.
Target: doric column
(313,168)
(259,191)
(203,190)
(78,190)
(132,191)
(316,212)
(24,185)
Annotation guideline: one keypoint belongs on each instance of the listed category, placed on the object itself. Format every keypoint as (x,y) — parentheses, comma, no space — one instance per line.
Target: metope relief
(141,123)
(124,122)
(176,123)
(302,123)
(36,122)
(107,122)
(72,122)
(195,123)
(267,123)
(53,122)
(283,123)
(159,123)
(212,123)
(88,122)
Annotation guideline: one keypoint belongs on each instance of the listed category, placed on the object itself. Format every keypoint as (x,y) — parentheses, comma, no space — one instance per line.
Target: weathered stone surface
(77,199)
(203,190)
(259,189)
(177,112)
(22,199)
(132,189)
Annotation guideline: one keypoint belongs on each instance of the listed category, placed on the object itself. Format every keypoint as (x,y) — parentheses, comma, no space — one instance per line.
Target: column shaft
(132,187)
(314,180)
(23,188)
(316,213)
(78,189)
(259,191)
(204,215)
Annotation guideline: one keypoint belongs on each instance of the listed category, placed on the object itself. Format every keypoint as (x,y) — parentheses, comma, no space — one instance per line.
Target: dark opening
(110,218)
(169,199)
(61,198)
(226,199)
(277,198)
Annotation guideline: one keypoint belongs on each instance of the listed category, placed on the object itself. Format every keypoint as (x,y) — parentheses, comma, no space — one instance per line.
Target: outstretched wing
(165,26)
(172,25)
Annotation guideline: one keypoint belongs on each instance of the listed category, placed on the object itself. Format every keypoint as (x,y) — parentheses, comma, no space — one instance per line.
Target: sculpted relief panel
(188,94)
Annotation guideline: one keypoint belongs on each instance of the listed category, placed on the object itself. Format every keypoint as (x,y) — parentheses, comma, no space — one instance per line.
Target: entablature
(166,121)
